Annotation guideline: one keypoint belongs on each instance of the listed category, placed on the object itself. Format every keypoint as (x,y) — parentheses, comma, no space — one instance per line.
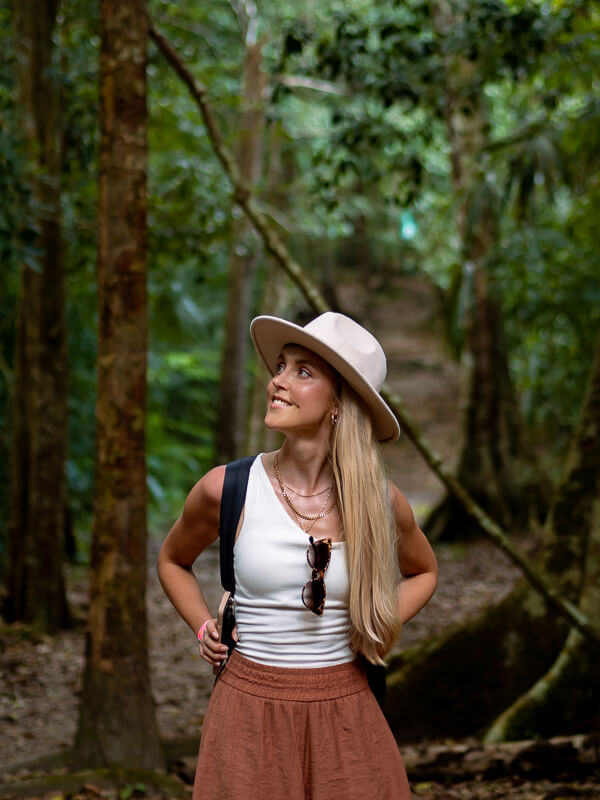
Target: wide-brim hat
(348,347)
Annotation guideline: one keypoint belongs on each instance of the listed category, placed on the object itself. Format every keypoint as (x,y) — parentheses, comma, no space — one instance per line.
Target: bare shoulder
(204,500)
(198,525)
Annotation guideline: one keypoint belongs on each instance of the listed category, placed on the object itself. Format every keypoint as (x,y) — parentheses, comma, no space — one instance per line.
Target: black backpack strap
(232,503)
(376,676)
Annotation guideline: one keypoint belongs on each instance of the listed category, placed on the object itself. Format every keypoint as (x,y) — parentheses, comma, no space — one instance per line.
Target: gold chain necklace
(322,513)
(300,494)
(308,529)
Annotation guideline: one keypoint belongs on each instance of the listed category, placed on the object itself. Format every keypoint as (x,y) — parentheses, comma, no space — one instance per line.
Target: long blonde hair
(369,528)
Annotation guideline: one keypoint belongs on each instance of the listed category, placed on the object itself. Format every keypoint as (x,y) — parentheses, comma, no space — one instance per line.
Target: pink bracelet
(202,630)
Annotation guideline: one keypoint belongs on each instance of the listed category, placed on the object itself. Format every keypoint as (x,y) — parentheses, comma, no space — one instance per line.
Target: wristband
(202,630)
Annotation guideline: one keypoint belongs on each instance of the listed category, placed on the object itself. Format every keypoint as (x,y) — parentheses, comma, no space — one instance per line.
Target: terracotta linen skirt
(273,733)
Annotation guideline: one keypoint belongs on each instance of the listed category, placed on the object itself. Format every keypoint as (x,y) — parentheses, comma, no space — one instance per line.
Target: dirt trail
(406,319)
(421,372)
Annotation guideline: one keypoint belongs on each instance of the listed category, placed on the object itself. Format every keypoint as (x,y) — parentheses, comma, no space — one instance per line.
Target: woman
(317,554)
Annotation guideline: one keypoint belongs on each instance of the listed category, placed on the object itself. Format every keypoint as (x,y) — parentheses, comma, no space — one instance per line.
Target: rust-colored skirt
(274,733)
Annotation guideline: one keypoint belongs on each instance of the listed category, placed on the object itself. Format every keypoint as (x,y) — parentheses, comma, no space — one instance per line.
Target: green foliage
(183,385)
(364,144)
(189,229)
(79,42)
(552,298)
(189,226)
(17,236)
(534,64)
(133,790)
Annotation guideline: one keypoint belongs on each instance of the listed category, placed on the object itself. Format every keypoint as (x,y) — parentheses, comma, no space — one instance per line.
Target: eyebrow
(297,360)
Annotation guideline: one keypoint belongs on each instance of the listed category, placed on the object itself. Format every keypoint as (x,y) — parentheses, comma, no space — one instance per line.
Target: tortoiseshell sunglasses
(313,592)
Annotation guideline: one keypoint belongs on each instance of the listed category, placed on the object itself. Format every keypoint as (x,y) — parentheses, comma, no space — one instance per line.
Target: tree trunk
(36,588)
(502,652)
(259,438)
(117,725)
(495,464)
(567,698)
(243,255)
(280,173)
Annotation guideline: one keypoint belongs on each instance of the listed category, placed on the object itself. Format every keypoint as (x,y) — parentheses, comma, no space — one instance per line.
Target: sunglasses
(313,592)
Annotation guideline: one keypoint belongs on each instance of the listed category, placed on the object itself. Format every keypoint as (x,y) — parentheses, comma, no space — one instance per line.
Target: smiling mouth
(279,403)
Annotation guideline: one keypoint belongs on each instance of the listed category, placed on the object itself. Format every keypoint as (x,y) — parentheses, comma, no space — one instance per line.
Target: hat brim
(271,334)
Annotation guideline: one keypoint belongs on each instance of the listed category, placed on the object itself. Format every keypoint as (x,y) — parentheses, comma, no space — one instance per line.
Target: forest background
(341,154)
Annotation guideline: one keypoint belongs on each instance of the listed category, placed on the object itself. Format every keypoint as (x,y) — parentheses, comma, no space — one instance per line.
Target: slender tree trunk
(567,698)
(260,438)
(117,724)
(279,168)
(495,465)
(39,410)
(243,255)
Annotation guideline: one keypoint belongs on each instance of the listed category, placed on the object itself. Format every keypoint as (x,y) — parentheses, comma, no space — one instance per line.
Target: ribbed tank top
(273,625)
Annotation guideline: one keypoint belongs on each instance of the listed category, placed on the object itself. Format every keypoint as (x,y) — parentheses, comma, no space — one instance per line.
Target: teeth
(277,402)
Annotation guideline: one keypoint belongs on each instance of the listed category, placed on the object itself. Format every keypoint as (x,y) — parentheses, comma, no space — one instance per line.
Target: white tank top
(273,624)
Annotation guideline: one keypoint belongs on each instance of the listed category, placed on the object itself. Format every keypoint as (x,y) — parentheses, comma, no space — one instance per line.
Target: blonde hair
(368,525)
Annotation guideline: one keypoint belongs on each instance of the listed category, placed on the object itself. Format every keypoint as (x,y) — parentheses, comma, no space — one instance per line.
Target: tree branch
(241,192)
(315,299)
(315,85)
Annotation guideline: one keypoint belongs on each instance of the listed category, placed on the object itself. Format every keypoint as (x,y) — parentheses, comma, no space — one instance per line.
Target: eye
(304,372)
(280,367)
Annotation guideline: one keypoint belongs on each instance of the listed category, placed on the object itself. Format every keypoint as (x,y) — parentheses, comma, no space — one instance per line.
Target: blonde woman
(320,550)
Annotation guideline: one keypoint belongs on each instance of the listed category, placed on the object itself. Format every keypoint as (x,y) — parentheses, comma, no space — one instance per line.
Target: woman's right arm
(196,528)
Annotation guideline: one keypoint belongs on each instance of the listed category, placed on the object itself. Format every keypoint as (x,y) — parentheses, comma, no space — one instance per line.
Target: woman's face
(301,394)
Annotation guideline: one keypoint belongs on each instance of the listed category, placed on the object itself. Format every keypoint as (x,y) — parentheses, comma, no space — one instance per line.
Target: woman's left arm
(417,560)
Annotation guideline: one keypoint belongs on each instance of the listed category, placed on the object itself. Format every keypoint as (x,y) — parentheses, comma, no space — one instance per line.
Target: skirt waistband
(292,683)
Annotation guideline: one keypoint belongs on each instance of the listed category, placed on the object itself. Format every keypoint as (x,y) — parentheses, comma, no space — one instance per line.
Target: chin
(270,423)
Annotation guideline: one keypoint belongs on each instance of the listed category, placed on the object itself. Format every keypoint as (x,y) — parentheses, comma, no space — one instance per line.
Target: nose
(280,380)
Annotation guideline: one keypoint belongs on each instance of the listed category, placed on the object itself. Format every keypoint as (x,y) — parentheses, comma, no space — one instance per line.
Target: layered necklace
(312,519)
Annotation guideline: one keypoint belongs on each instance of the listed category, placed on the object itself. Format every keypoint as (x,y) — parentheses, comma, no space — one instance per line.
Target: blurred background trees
(358,159)
(38,389)
(453,141)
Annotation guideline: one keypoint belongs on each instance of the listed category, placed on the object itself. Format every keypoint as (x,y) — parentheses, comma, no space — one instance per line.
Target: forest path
(406,318)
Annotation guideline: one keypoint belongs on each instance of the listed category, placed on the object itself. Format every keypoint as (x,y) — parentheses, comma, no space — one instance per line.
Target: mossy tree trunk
(567,698)
(36,588)
(495,464)
(243,256)
(117,725)
(457,684)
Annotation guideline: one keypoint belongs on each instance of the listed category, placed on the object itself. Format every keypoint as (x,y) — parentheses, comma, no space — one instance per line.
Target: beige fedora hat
(348,347)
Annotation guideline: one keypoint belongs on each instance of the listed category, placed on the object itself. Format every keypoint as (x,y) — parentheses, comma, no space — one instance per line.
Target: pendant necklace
(323,512)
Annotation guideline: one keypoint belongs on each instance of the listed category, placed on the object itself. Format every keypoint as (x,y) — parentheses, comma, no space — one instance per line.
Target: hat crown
(353,343)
